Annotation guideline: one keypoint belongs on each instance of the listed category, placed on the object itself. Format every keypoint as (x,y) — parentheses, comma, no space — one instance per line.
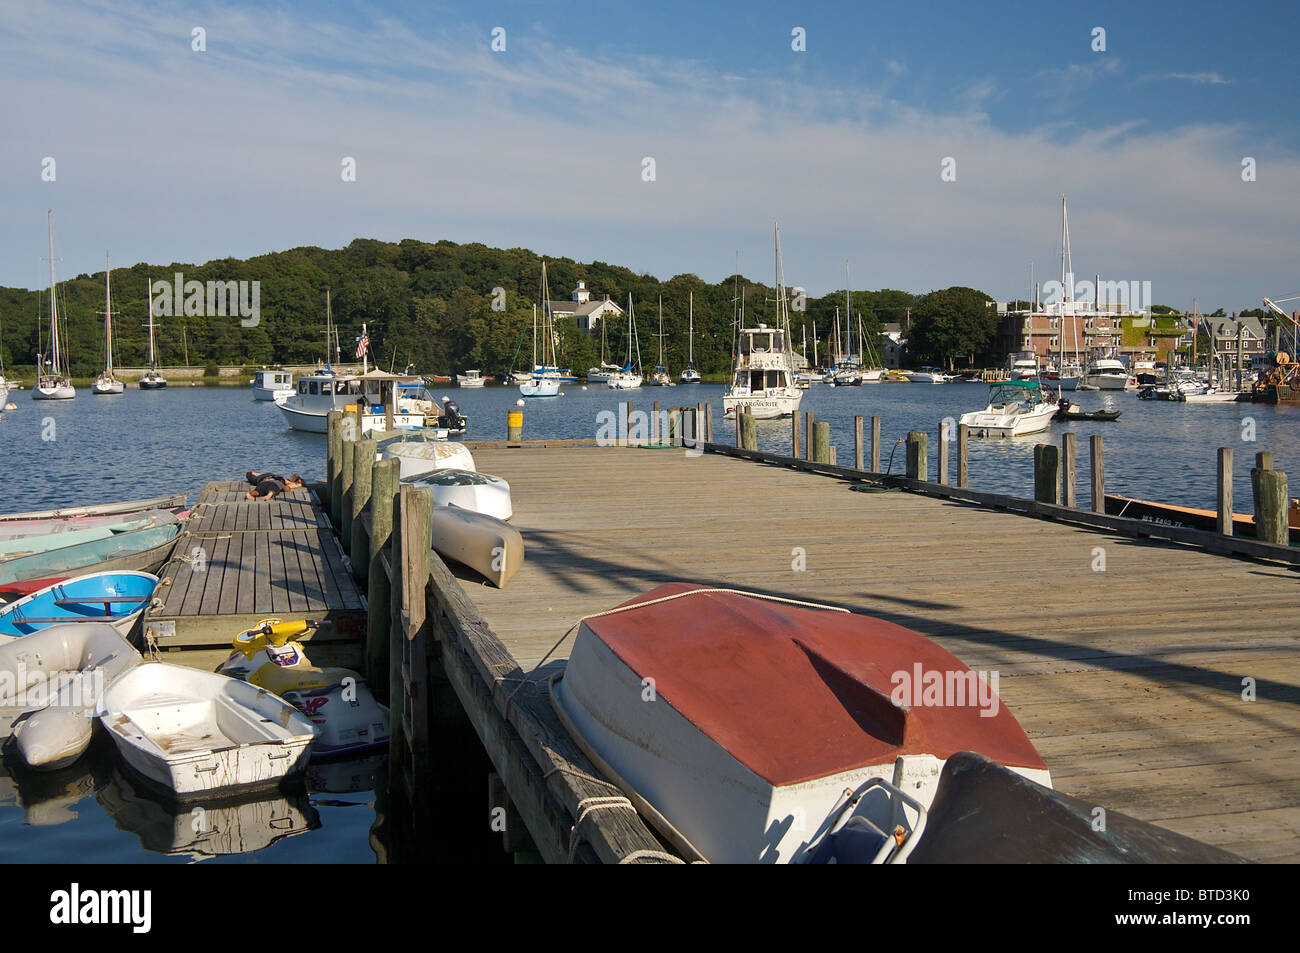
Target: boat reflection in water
(49,798)
(205,829)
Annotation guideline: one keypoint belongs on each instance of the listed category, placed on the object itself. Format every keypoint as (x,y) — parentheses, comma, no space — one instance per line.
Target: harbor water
(144,444)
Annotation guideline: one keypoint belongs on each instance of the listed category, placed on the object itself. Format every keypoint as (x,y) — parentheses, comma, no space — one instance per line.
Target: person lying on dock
(268,487)
(254,478)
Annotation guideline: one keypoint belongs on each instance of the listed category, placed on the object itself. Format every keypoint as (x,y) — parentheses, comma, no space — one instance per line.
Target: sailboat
(1070,372)
(661,377)
(5,385)
(600,375)
(53,384)
(543,382)
(690,375)
(152,380)
(628,377)
(106,383)
(762,383)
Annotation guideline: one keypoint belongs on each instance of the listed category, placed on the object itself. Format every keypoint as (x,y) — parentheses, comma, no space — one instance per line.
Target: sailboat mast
(54,318)
(690,334)
(108,318)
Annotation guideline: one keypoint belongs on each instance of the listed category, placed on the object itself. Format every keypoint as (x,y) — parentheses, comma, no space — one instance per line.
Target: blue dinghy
(114,597)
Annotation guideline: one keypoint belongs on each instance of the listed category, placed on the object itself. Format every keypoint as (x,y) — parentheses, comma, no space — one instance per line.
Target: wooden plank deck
(259,560)
(1128,678)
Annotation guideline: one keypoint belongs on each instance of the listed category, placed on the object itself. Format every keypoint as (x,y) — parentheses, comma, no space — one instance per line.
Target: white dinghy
(416,457)
(490,546)
(51,682)
(196,733)
(480,492)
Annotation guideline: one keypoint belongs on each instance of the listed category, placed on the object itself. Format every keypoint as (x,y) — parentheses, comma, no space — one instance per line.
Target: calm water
(141,444)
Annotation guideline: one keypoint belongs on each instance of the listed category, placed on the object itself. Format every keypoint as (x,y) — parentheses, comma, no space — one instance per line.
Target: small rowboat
(1069,411)
(490,546)
(196,733)
(747,729)
(51,681)
(114,597)
(469,490)
(420,456)
(142,550)
(174,503)
(1243,524)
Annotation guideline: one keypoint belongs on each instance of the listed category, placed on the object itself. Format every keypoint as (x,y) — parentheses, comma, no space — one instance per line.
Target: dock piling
(748,431)
(1068,489)
(345,499)
(944,437)
(363,464)
(383,488)
(822,441)
(1098,461)
(918,461)
(1271,505)
(1047,474)
(1225,491)
(334,426)
(807,435)
(875,444)
(514,427)
(963,446)
(654,424)
(859,458)
(794,436)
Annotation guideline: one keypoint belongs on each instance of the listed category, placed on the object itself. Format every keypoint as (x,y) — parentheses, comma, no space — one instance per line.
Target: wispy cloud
(1214,79)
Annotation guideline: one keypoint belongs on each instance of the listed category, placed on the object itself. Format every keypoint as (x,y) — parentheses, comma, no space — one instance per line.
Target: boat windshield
(1001,394)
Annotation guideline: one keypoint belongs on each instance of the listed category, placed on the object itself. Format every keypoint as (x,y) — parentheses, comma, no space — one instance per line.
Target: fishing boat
(53,383)
(196,733)
(491,547)
(271,384)
(660,377)
(1068,411)
(54,678)
(844,734)
(106,383)
(1243,524)
(762,380)
(628,377)
(118,598)
(419,456)
(377,392)
(1014,409)
(689,374)
(471,378)
(153,378)
(544,381)
(338,701)
(469,490)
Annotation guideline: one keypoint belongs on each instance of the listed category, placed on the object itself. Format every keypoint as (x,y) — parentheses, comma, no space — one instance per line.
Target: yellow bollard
(515,427)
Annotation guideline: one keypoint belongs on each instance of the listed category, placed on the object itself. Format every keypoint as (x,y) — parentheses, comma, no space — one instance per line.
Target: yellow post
(515,427)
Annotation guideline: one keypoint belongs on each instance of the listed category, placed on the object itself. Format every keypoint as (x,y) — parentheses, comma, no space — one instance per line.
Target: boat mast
(54,318)
(690,334)
(153,363)
(108,319)
(661,335)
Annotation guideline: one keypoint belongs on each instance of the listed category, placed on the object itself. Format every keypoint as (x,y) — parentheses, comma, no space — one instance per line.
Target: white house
(585,312)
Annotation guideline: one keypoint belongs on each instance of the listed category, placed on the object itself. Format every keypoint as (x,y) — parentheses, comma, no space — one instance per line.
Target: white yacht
(628,377)
(689,374)
(471,378)
(377,392)
(1015,408)
(153,378)
(762,382)
(1105,373)
(271,384)
(53,384)
(545,378)
(926,375)
(106,383)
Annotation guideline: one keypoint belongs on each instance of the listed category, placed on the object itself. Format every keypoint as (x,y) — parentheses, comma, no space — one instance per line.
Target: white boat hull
(491,547)
(1105,382)
(107,387)
(763,407)
(540,388)
(196,733)
(267,393)
(477,492)
(985,423)
(62,392)
(419,457)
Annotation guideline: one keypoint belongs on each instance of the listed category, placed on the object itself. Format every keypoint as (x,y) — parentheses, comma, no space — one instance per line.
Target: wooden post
(395,634)
(345,513)
(383,487)
(629,423)
(1264,460)
(963,446)
(654,424)
(1068,489)
(740,437)
(944,437)
(834,456)
(1098,474)
(748,431)
(875,444)
(822,441)
(708,421)
(333,451)
(807,435)
(335,436)
(701,428)
(1271,505)
(515,426)
(918,460)
(1047,474)
(794,436)
(859,451)
(675,424)
(363,464)
(1225,491)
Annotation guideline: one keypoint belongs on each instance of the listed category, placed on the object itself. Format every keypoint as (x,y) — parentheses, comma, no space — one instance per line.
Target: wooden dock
(238,561)
(1128,678)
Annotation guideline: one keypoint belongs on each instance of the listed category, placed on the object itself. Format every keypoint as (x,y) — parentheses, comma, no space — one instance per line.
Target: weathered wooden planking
(1122,657)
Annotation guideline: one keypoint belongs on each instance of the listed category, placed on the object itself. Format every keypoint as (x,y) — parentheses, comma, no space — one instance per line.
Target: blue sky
(166,154)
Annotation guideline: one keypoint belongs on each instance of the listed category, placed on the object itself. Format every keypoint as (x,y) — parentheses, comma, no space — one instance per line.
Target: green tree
(950,324)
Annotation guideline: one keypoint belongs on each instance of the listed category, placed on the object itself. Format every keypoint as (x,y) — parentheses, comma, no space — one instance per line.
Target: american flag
(363,342)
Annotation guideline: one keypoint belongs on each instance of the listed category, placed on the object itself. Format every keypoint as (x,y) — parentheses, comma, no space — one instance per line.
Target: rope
(656,854)
(585,807)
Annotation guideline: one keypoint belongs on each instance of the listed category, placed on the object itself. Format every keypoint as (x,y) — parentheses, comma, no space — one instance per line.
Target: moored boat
(271,384)
(471,378)
(1243,524)
(848,729)
(139,545)
(114,597)
(1014,409)
(196,733)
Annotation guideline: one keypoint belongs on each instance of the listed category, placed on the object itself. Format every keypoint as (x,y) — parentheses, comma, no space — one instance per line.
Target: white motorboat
(660,693)
(1105,374)
(195,733)
(469,490)
(52,369)
(417,457)
(762,381)
(926,375)
(471,378)
(376,392)
(272,384)
(50,683)
(1015,408)
(600,375)
(491,547)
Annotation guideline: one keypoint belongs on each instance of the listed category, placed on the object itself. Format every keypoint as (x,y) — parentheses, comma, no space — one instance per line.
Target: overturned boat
(468,489)
(748,729)
(491,547)
(417,456)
